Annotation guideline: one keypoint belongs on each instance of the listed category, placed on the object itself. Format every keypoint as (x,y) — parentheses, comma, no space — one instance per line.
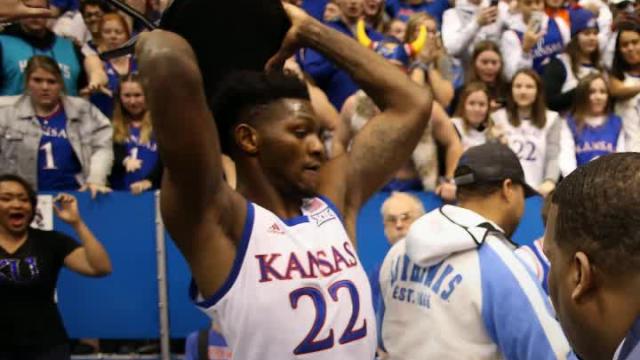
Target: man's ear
(581,277)
(246,138)
(507,189)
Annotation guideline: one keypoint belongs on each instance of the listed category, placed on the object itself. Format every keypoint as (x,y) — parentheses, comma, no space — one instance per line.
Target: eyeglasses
(96,14)
(403,218)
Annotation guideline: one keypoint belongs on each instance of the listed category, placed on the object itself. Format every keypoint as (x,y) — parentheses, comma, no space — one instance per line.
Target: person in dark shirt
(30,261)
(580,59)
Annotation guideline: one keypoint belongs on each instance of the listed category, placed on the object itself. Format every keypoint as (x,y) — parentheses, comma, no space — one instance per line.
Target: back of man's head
(599,212)
(243,92)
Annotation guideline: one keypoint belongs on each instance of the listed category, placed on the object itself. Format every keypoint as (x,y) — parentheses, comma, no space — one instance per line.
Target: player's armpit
(208,238)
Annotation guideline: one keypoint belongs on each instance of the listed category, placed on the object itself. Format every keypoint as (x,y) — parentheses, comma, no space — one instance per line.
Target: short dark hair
(31,192)
(241,92)
(476,190)
(598,212)
(99,3)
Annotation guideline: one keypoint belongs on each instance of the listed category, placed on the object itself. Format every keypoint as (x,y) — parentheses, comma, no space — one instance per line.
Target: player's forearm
(186,134)
(442,88)
(454,151)
(383,82)
(95,70)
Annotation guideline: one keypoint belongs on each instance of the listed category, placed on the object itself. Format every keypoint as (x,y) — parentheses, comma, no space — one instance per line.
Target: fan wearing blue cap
(581,58)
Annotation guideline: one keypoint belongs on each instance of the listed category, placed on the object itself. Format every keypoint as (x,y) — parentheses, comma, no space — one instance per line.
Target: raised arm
(90,259)
(193,191)
(389,138)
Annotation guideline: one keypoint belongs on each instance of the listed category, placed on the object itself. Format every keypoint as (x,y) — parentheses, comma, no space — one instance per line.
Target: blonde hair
(414,23)
(121,118)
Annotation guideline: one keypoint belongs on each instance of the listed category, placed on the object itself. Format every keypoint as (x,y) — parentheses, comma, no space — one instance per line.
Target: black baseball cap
(488,163)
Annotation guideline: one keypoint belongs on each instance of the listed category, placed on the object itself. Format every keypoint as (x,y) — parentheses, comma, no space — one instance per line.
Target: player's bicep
(186,134)
(380,149)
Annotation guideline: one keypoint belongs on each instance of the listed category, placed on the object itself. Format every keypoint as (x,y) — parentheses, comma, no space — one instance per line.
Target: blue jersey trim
(333,207)
(235,269)
(296,220)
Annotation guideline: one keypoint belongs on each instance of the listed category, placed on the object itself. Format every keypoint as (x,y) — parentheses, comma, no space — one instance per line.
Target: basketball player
(593,244)
(275,260)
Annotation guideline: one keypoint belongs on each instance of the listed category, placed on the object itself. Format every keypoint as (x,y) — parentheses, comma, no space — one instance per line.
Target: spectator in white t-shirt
(471,118)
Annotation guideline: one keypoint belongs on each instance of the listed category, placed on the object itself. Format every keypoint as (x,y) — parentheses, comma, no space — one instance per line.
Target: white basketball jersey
(528,142)
(297,290)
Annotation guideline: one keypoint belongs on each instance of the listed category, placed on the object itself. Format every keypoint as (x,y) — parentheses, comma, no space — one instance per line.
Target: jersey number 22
(310,343)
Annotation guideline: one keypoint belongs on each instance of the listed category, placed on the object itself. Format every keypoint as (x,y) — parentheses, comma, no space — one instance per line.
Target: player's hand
(95,189)
(292,40)
(91,89)
(447,191)
(11,10)
(487,15)
(132,164)
(66,208)
(141,186)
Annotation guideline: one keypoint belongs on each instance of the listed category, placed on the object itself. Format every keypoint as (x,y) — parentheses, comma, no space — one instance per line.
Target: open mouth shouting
(18,219)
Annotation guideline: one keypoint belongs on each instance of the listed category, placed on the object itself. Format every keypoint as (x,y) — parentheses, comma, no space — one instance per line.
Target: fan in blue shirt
(137,166)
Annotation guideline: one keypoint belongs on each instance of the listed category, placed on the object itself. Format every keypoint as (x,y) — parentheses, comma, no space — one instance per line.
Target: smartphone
(494,3)
(535,24)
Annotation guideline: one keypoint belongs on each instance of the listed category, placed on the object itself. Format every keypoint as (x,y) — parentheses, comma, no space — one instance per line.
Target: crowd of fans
(70,120)
(554,80)
(557,81)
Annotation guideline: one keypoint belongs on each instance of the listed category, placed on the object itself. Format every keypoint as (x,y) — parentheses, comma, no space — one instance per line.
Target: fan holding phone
(534,38)
(470,22)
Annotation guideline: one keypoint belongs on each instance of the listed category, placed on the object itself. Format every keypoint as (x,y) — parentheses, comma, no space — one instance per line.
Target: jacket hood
(446,231)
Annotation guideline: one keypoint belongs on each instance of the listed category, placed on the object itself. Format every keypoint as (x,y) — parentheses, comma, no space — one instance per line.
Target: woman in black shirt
(30,261)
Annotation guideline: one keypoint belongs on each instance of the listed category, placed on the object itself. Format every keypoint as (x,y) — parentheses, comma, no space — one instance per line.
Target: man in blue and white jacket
(454,289)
